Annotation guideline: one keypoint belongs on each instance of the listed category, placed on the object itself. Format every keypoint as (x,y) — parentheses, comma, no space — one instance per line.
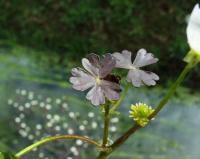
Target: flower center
(98,80)
(132,67)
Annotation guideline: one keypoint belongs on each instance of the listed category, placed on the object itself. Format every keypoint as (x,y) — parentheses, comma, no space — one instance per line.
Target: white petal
(123,60)
(111,90)
(81,80)
(134,78)
(89,67)
(143,58)
(96,96)
(139,78)
(193,29)
(149,78)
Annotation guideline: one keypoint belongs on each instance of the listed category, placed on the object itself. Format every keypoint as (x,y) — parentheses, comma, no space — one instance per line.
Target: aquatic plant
(108,90)
(37,116)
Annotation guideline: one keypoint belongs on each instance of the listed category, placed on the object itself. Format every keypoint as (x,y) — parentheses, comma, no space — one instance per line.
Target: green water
(173,134)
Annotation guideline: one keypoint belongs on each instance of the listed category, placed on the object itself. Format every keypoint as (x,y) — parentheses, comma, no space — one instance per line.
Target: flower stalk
(117,104)
(54,138)
(106,124)
(160,106)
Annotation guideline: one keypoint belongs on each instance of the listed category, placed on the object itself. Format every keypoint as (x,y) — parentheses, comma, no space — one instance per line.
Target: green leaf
(6,156)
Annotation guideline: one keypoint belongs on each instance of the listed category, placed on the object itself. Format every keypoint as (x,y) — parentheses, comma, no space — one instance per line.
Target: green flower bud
(140,113)
(192,57)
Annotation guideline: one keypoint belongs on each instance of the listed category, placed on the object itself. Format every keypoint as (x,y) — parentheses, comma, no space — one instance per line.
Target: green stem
(172,90)
(120,100)
(53,138)
(119,141)
(162,103)
(106,125)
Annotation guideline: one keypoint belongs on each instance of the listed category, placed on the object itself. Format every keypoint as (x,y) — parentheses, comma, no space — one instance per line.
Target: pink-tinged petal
(89,67)
(94,60)
(107,64)
(111,90)
(139,78)
(123,60)
(143,58)
(81,80)
(96,96)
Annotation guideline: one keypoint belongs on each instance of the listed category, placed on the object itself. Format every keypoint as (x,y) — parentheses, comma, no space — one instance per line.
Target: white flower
(96,77)
(135,75)
(193,29)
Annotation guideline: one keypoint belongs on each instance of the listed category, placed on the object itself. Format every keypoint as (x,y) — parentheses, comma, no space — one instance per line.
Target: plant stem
(112,110)
(107,119)
(106,125)
(53,138)
(162,103)
(172,90)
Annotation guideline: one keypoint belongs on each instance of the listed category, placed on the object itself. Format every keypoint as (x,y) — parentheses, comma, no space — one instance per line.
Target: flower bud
(140,113)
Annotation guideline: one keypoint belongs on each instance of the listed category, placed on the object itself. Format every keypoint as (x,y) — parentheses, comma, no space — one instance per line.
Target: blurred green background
(40,41)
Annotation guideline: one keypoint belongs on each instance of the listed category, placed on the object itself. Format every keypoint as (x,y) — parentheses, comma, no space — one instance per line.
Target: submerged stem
(53,138)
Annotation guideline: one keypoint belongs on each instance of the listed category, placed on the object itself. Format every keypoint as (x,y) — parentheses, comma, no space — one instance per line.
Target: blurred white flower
(193,29)
(114,120)
(10,101)
(57,128)
(72,115)
(30,137)
(82,127)
(41,155)
(113,128)
(23,92)
(70,131)
(58,101)
(94,125)
(90,114)
(79,142)
(27,105)
(21,108)
(38,126)
(48,107)
(48,100)
(65,125)
(17,120)
(56,117)
(15,105)
(42,104)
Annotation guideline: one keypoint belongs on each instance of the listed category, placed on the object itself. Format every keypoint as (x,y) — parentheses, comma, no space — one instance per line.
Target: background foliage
(73,28)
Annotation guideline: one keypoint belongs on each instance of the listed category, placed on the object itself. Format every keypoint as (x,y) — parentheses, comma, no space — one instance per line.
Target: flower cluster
(140,113)
(103,85)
